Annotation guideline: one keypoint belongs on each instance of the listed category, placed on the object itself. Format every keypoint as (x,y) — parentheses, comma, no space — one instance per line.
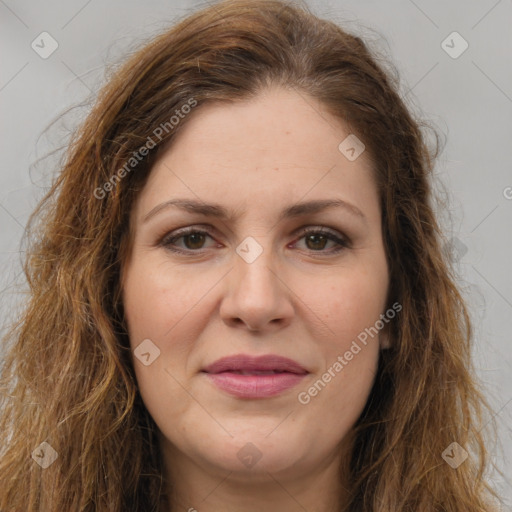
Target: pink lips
(246,376)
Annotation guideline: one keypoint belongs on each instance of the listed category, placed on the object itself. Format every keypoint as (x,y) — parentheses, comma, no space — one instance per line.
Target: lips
(250,377)
(249,365)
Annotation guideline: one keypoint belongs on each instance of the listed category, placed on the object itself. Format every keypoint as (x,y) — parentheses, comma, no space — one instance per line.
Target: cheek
(350,353)
(349,308)
(345,303)
(339,395)
(158,303)
(164,305)
(157,297)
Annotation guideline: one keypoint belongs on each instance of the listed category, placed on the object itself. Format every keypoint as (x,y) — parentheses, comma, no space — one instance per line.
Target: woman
(238,296)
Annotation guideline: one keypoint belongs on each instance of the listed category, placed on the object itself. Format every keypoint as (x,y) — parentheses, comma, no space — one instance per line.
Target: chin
(257,456)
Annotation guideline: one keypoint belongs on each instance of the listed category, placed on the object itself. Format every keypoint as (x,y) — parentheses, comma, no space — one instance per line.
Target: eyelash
(167,241)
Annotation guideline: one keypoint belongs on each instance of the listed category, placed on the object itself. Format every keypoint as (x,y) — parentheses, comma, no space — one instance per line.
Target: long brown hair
(67,379)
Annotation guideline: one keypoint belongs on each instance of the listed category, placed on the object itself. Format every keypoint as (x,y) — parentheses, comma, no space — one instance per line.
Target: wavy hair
(67,378)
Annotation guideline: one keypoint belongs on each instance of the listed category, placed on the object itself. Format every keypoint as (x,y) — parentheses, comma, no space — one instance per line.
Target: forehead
(279,146)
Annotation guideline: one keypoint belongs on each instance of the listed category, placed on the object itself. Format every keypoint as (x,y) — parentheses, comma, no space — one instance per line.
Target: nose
(256,296)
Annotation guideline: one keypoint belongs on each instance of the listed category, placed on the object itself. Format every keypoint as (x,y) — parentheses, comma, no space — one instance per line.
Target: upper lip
(244,362)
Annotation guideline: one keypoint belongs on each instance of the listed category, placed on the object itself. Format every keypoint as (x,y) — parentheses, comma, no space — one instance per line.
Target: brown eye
(193,240)
(317,239)
(316,242)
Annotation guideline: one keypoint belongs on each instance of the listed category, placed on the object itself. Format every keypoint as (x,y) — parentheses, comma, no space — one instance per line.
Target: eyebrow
(218,211)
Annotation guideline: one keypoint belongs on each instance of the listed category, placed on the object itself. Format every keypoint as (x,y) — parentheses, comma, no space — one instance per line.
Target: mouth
(254,372)
(251,377)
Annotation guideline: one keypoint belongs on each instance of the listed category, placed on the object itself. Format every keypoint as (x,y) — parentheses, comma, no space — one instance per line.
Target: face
(273,276)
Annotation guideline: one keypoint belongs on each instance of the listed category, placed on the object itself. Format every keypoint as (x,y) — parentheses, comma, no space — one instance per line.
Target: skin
(298,299)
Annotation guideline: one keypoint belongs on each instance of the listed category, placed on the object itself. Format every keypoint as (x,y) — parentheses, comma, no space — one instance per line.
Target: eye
(316,240)
(193,239)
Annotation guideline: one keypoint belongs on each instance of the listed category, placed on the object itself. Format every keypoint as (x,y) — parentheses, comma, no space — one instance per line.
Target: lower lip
(255,386)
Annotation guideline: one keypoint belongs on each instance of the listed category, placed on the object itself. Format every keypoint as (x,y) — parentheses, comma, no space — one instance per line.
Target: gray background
(468,99)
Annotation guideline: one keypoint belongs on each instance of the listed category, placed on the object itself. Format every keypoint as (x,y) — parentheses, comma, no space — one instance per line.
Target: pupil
(316,237)
(193,236)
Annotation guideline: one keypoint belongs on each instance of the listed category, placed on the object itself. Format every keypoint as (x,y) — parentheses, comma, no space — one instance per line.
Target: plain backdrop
(454,60)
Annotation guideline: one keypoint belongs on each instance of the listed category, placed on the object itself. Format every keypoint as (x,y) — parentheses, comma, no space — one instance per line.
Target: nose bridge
(254,266)
(256,295)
